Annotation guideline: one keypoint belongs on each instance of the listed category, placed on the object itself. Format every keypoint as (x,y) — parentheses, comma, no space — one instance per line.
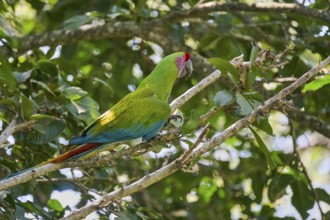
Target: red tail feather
(74,152)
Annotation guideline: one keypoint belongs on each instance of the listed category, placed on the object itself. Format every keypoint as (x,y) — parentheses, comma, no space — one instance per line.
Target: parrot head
(184,65)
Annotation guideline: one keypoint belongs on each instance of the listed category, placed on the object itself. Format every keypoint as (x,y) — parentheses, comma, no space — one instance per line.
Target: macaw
(142,113)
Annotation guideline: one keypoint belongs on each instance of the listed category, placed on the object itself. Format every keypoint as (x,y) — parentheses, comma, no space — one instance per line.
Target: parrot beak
(186,71)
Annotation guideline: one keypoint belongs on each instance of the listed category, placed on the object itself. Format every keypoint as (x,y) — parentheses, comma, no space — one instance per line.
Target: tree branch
(271,7)
(308,120)
(12,128)
(199,151)
(150,29)
(9,130)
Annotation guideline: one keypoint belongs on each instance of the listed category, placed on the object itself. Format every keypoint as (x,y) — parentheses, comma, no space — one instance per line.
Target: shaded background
(67,82)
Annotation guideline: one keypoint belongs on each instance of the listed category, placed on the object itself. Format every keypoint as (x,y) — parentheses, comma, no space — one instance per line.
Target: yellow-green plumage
(141,113)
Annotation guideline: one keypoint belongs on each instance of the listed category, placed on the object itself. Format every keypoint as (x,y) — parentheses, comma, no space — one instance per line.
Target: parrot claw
(175,120)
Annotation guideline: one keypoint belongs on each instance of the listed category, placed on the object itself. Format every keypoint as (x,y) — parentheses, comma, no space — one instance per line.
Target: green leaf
(245,105)
(223,98)
(73,93)
(309,58)
(76,21)
(85,108)
(19,212)
(43,85)
(47,67)
(192,123)
(22,77)
(27,107)
(104,83)
(302,198)
(254,54)
(45,129)
(317,84)
(258,183)
(209,41)
(226,67)
(7,78)
(277,186)
(267,212)
(251,77)
(8,164)
(264,126)
(35,208)
(206,189)
(322,195)
(55,205)
(264,149)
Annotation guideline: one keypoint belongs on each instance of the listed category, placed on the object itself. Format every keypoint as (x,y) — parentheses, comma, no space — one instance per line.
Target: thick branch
(198,152)
(153,28)
(12,128)
(178,102)
(271,7)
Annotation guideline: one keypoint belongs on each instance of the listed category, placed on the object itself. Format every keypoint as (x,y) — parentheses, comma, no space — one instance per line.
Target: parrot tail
(75,153)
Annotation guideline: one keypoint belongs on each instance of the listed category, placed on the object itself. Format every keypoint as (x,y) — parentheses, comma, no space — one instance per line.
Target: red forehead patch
(186,56)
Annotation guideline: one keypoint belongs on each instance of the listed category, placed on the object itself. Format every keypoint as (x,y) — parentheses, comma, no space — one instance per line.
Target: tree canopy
(254,143)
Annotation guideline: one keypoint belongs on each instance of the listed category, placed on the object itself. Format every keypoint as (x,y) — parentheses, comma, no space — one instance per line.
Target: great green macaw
(142,113)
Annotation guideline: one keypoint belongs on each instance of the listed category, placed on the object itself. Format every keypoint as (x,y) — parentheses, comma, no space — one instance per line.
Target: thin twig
(184,157)
(9,130)
(304,170)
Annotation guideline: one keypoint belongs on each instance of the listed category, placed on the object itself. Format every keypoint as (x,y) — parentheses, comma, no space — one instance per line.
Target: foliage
(61,87)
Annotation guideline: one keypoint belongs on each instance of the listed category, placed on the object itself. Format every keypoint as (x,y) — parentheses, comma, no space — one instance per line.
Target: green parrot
(142,113)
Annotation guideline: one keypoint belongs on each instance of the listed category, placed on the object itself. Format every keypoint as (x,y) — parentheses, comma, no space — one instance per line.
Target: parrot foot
(176,120)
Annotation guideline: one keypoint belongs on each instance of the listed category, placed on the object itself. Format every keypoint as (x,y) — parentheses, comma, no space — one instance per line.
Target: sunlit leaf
(55,205)
(309,58)
(317,84)
(73,93)
(206,189)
